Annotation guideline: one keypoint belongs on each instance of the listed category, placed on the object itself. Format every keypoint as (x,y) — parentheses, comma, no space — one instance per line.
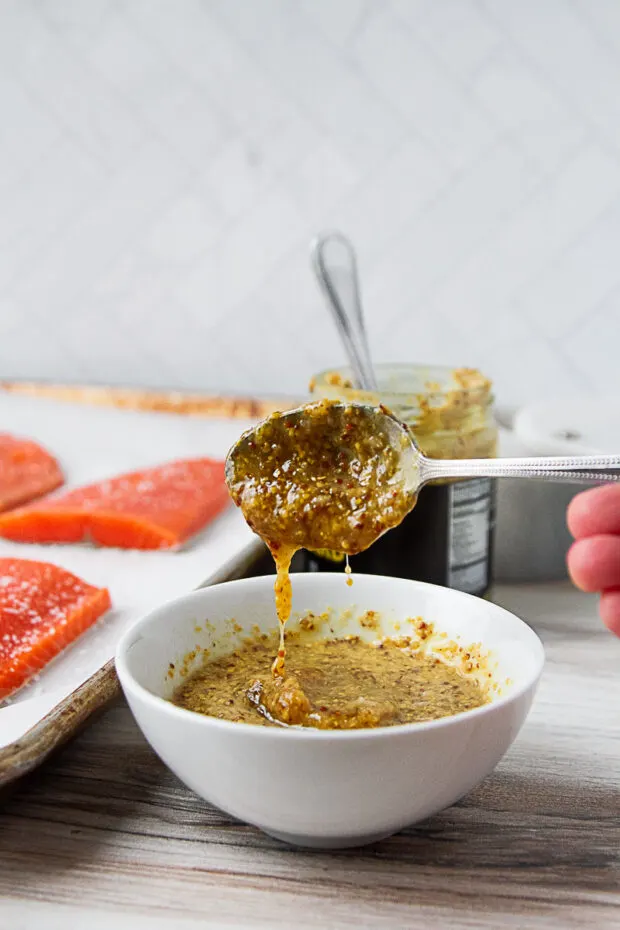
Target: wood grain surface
(103,835)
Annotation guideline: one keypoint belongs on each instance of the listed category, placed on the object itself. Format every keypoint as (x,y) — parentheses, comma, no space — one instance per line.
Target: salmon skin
(27,471)
(156,508)
(43,608)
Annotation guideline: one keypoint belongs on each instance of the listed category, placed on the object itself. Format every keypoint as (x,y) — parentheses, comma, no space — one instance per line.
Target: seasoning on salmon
(156,508)
(43,608)
(27,471)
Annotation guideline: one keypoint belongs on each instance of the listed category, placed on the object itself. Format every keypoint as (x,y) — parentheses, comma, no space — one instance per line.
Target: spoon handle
(592,468)
(335,266)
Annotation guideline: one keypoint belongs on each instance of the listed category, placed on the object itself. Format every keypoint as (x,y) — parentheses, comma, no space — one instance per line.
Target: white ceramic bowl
(325,788)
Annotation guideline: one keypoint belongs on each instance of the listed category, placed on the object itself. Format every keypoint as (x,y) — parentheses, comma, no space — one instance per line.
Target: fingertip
(609,610)
(578,562)
(594,563)
(594,511)
(575,515)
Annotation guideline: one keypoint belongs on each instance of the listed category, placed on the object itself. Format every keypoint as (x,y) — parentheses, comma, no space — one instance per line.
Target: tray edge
(60,724)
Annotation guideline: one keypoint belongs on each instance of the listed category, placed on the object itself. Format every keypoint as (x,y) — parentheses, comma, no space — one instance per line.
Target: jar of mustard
(447,538)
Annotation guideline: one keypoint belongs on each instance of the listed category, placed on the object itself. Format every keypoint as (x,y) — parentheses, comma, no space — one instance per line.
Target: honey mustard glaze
(337,684)
(319,481)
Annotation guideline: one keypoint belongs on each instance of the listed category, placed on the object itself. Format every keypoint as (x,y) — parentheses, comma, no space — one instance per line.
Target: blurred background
(165,163)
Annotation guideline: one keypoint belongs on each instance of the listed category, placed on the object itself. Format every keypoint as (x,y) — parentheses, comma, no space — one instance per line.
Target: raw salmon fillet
(26,471)
(43,608)
(157,508)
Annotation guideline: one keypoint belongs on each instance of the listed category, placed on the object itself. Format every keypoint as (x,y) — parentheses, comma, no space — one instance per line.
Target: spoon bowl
(330,475)
(324,476)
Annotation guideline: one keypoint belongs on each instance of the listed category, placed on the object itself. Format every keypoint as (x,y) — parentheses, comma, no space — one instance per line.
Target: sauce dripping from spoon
(324,476)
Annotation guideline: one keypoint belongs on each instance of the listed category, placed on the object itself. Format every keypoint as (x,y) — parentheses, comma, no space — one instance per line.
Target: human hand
(594,558)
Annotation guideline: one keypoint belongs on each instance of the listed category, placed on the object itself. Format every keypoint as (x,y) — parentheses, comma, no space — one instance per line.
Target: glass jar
(447,538)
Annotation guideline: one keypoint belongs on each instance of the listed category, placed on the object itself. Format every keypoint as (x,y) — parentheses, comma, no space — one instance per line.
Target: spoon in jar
(330,475)
(335,266)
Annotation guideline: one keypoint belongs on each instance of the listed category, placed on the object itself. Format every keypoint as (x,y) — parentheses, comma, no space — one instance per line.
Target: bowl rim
(163,705)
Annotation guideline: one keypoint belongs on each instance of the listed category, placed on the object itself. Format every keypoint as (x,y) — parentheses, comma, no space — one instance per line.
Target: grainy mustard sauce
(322,481)
(334,684)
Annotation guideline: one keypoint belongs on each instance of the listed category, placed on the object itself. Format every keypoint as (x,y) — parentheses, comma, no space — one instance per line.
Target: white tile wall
(164,164)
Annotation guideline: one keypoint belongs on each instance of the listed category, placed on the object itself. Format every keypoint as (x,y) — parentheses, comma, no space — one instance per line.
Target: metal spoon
(335,266)
(323,425)
(417,469)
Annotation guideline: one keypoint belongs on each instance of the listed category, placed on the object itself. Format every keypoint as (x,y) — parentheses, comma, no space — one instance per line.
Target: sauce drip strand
(324,476)
(282,556)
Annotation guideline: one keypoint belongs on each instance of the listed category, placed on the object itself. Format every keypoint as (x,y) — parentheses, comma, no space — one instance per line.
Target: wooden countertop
(104,836)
